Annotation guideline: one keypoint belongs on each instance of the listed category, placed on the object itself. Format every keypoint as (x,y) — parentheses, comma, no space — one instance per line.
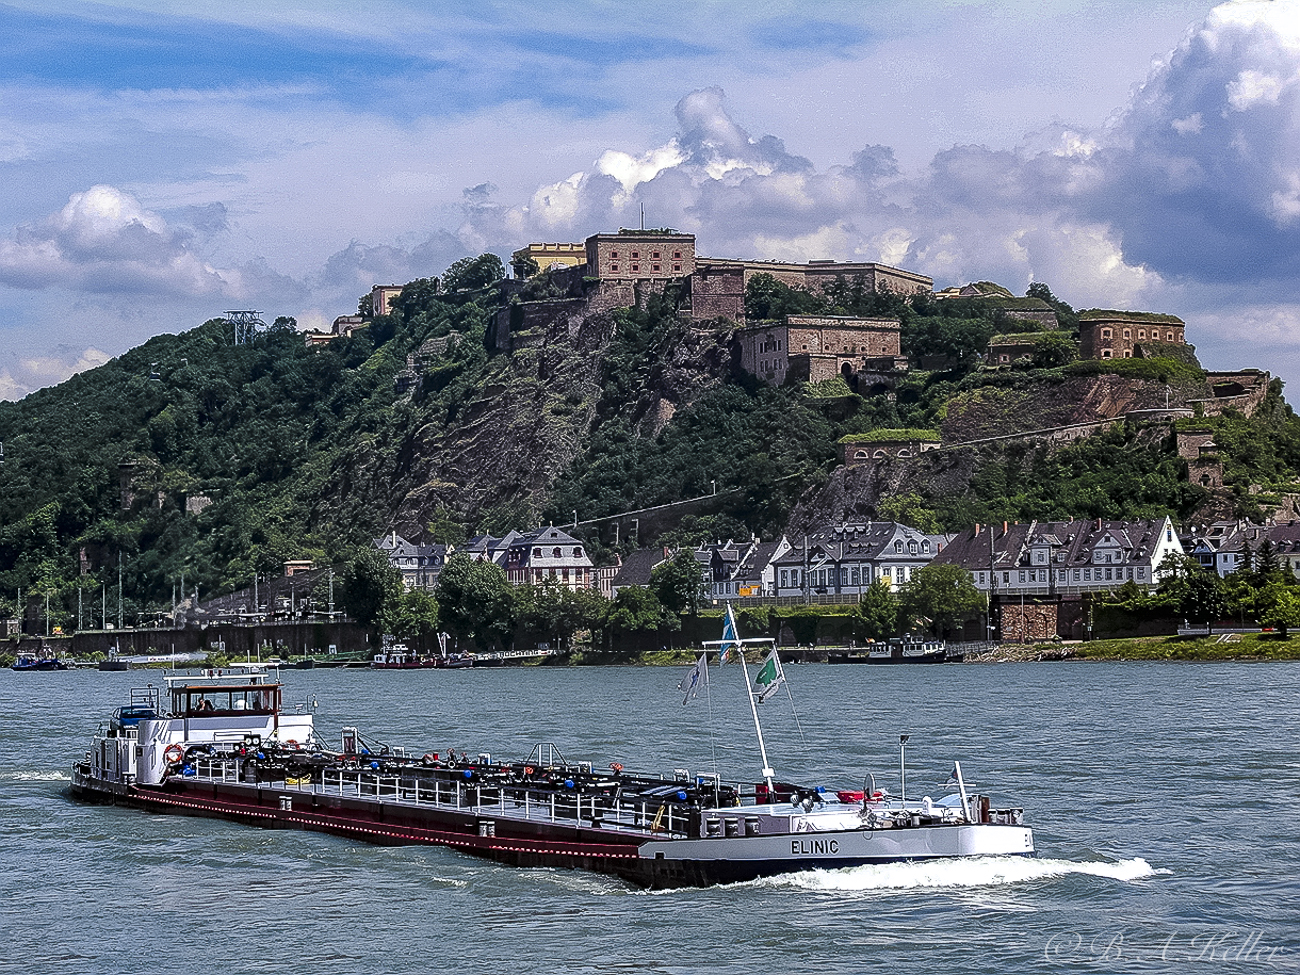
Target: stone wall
(717,291)
(1028,622)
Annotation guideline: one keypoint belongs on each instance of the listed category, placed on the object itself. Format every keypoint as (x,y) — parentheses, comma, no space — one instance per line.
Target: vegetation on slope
(309,454)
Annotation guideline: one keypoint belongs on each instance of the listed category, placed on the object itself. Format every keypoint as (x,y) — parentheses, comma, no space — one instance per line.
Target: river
(1165,800)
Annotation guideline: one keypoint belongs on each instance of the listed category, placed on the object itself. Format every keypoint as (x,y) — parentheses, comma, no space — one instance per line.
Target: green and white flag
(769,677)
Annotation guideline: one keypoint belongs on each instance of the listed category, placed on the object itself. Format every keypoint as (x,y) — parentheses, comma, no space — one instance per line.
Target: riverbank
(1220,647)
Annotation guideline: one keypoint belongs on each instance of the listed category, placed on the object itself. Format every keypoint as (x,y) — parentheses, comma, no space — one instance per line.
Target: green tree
(679,583)
(370,585)
(943,595)
(909,509)
(637,608)
(768,298)
(1053,349)
(1202,599)
(1282,610)
(411,615)
(877,611)
(472,273)
(445,528)
(1267,568)
(524,266)
(475,600)
(550,608)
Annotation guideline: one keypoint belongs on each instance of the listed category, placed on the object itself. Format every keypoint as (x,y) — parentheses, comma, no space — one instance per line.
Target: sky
(164,162)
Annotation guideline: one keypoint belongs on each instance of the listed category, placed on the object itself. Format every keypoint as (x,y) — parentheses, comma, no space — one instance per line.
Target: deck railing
(635,813)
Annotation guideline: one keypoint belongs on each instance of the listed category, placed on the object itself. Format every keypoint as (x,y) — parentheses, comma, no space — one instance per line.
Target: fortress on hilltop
(621,270)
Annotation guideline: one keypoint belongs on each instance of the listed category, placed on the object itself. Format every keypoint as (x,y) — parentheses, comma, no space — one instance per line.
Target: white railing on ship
(511,801)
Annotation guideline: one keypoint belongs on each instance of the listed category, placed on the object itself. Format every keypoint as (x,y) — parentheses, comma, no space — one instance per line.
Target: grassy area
(1245,646)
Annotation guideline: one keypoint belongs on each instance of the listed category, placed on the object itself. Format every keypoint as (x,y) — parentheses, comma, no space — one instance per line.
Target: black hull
(516,843)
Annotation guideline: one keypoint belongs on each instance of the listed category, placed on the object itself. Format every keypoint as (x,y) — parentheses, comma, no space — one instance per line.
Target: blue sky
(162,162)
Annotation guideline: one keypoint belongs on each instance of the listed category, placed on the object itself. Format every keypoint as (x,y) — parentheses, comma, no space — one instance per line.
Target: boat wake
(954,874)
(35,776)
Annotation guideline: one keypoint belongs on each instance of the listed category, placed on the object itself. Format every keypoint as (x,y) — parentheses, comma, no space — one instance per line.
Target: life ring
(529,770)
(291,744)
(616,766)
(174,754)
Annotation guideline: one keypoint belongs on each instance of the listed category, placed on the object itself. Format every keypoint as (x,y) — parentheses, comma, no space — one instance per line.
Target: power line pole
(119,590)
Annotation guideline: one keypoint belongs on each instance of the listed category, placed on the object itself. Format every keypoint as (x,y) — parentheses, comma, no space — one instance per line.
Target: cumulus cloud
(1196,181)
(1201,175)
(103,240)
(24,374)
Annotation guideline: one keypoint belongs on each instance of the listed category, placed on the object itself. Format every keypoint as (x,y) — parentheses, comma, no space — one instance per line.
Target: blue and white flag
(696,677)
(731,646)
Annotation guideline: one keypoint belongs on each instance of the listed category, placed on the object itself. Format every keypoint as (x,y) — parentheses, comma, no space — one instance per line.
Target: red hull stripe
(408,833)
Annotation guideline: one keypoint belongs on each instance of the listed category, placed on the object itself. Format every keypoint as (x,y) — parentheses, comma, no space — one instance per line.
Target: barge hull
(521,843)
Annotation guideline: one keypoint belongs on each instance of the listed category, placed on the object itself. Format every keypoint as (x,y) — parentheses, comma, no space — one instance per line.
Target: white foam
(50,776)
(956,874)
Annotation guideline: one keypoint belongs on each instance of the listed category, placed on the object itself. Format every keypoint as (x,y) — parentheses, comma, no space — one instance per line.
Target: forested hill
(309,454)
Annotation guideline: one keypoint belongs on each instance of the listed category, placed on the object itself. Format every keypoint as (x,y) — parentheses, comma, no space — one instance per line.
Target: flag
(731,645)
(952,776)
(769,677)
(696,676)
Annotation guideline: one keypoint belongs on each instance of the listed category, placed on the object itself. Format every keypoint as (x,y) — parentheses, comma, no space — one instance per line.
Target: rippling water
(1165,800)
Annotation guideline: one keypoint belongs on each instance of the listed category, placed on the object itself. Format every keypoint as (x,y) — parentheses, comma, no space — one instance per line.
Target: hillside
(195,455)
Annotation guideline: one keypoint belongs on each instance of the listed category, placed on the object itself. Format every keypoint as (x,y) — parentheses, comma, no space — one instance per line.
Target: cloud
(1195,180)
(25,374)
(1200,177)
(103,240)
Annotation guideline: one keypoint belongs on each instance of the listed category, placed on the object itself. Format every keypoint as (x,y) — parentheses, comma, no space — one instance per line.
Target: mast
(768,771)
(731,636)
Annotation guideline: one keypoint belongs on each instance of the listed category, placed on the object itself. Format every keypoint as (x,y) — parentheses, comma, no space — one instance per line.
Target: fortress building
(816,347)
(553,255)
(1105,334)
